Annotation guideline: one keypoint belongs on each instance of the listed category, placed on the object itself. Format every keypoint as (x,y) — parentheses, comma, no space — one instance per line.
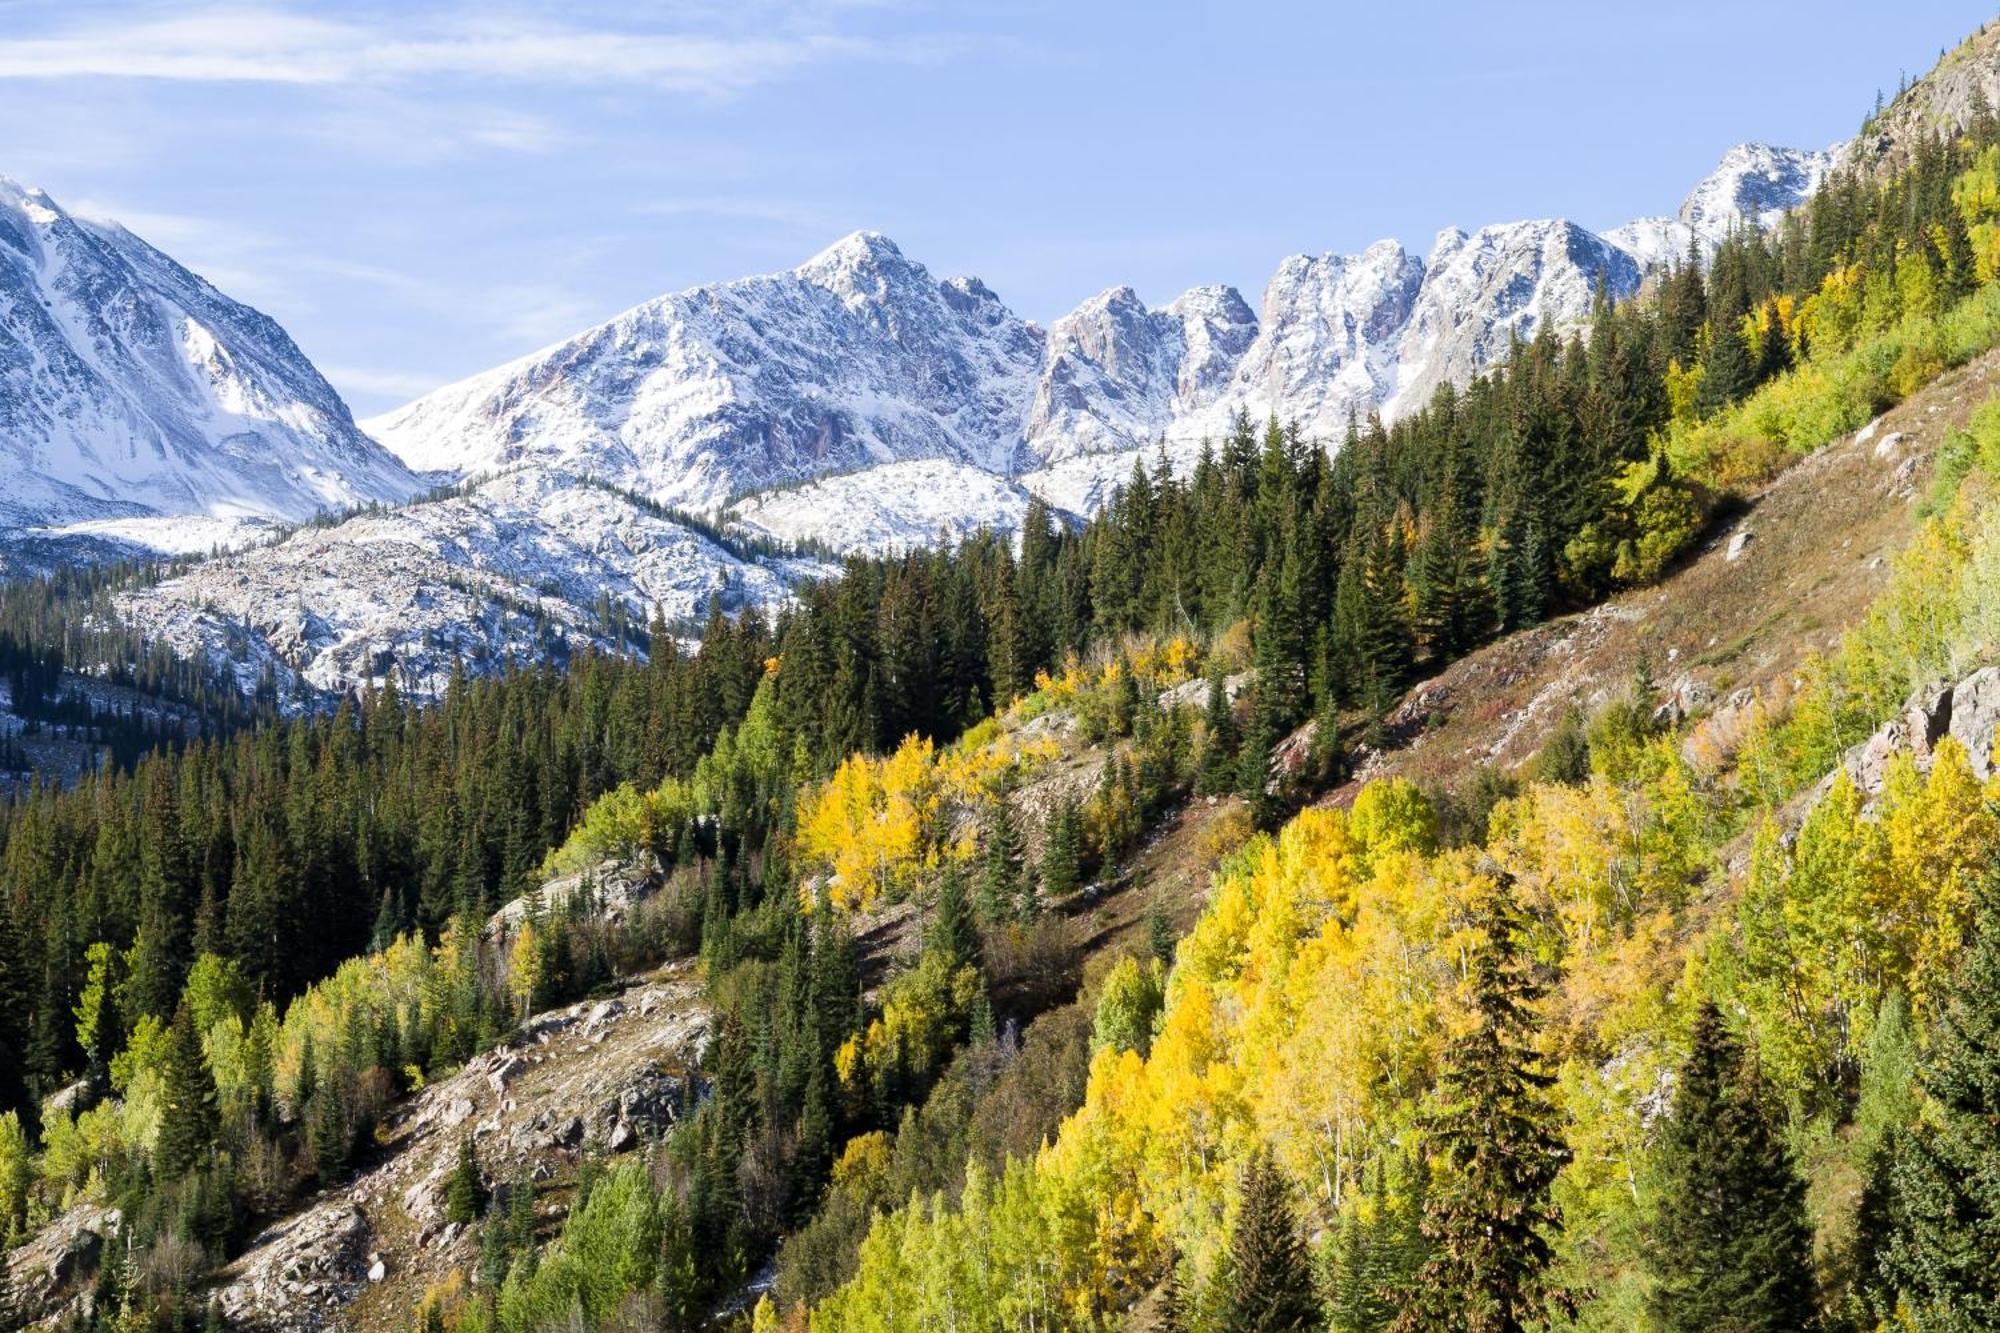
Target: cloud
(265,46)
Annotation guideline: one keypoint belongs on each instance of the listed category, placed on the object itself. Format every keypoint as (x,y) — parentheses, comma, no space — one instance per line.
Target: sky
(418,192)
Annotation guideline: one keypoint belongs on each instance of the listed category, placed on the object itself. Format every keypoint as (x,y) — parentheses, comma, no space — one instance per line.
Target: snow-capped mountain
(517,564)
(856,357)
(856,402)
(1753,186)
(859,357)
(129,387)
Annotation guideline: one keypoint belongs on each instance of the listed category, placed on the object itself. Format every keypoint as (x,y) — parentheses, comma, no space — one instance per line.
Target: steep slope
(881,510)
(522,564)
(131,387)
(1961,87)
(1807,555)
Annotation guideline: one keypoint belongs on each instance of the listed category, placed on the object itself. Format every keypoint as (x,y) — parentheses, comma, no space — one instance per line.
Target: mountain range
(855,403)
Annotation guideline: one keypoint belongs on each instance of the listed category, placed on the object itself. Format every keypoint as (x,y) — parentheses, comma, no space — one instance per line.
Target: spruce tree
(1360,1300)
(1731,1244)
(1004,861)
(952,930)
(1946,1212)
(1498,1136)
(188,1118)
(1062,851)
(1270,1277)
(1218,746)
(465,1191)
(1254,770)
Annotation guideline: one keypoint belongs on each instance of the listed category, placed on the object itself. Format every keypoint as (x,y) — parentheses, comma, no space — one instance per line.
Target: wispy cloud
(267,46)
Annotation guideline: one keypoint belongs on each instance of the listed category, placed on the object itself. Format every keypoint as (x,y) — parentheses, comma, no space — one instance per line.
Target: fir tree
(1946,1211)
(1270,1278)
(188,1118)
(465,1191)
(1732,1247)
(1255,777)
(1498,1135)
(952,930)
(1002,875)
(1218,746)
(1062,851)
(1160,934)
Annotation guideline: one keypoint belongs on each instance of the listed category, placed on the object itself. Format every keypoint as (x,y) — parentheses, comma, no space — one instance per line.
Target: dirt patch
(1800,562)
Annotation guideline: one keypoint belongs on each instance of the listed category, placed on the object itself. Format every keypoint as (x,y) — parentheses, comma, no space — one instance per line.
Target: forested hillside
(1669,1027)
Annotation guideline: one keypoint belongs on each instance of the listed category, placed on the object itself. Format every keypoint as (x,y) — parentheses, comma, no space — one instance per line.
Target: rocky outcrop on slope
(603,1076)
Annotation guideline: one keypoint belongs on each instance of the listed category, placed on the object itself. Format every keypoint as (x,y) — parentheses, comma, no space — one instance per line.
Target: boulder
(1975,718)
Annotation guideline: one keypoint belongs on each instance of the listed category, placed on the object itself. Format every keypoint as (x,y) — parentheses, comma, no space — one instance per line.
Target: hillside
(1779,581)
(1526,868)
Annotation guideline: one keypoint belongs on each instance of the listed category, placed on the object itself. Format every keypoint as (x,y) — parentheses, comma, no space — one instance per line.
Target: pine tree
(465,1191)
(1498,1135)
(188,1119)
(1359,1303)
(1170,1312)
(1732,1247)
(1218,746)
(1728,371)
(1004,865)
(1270,1277)
(1062,851)
(1160,934)
(1254,777)
(952,930)
(1946,1210)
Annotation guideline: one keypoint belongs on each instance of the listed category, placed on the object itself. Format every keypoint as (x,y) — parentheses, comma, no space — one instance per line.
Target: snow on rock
(516,565)
(856,357)
(859,358)
(131,387)
(887,509)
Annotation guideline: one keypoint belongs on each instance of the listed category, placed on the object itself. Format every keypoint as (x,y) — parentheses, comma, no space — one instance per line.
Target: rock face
(129,387)
(1947,99)
(517,564)
(1968,712)
(859,358)
(53,1271)
(602,1076)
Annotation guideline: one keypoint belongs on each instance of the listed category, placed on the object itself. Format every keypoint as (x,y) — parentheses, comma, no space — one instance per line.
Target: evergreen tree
(1732,1247)
(1270,1277)
(1727,372)
(188,1119)
(1498,1135)
(1004,865)
(1255,777)
(1062,851)
(465,1191)
(1160,935)
(1946,1212)
(1218,746)
(1366,1274)
(952,930)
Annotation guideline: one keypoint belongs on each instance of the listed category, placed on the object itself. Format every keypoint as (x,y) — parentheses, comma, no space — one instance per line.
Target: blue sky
(421,191)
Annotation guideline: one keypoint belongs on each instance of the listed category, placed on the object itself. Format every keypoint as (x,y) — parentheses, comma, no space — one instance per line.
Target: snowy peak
(859,357)
(1754,185)
(129,387)
(856,357)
